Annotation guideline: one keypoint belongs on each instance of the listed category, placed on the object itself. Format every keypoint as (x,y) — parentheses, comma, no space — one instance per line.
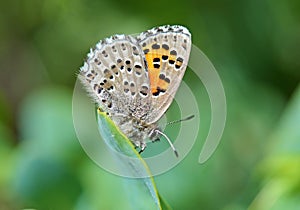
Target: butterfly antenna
(184,119)
(169,141)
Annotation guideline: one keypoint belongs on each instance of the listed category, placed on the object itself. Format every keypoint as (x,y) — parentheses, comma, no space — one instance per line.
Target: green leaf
(281,167)
(142,190)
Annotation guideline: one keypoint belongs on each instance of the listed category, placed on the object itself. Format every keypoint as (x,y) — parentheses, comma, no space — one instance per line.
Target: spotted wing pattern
(115,76)
(166,50)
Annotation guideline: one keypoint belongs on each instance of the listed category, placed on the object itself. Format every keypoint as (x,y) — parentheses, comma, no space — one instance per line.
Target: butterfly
(135,78)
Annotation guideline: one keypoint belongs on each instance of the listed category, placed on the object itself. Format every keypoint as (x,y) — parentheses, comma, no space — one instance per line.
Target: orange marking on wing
(172,57)
(154,72)
(162,84)
(178,63)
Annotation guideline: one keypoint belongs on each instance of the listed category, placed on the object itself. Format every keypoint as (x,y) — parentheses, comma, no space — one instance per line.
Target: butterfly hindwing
(166,50)
(115,76)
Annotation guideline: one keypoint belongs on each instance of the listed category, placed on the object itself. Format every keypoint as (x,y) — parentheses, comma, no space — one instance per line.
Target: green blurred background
(254,46)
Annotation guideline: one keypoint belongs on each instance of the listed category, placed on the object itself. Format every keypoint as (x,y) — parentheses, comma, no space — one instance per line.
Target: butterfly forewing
(166,50)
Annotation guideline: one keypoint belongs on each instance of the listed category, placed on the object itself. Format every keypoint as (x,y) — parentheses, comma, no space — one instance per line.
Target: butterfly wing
(166,50)
(115,76)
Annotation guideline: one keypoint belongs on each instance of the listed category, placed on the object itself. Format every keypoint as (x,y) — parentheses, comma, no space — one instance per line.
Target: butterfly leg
(156,140)
(143,147)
